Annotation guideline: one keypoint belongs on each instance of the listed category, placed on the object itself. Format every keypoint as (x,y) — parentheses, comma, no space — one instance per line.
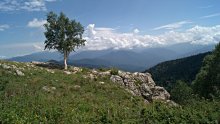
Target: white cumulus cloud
(36,23)
(105,39)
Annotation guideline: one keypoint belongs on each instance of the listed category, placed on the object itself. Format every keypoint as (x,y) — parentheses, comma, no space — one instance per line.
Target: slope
(167,73)
(35,94)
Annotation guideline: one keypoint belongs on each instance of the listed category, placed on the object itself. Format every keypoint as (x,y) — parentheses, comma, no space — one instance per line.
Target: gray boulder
(141,84)
(19,73)
(117,79)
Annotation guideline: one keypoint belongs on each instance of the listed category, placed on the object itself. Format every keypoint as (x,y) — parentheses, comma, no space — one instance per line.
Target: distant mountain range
(167,73)
(128,60)
(39,56)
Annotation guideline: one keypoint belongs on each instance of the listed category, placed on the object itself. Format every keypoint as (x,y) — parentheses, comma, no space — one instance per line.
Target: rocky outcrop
(141,84)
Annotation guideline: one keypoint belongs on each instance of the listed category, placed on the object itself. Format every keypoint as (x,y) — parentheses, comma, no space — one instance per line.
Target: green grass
(24,101)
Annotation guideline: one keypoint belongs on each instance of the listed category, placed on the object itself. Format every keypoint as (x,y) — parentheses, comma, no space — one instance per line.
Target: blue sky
(111,23)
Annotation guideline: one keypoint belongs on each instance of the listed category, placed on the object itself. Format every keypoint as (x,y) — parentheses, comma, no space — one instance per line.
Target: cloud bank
(101,38)
(109,38)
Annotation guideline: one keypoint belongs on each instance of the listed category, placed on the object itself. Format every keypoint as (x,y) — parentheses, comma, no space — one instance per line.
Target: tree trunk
(65,60)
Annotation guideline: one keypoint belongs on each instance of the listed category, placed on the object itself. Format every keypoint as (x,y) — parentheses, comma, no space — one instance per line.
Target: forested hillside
(185,69)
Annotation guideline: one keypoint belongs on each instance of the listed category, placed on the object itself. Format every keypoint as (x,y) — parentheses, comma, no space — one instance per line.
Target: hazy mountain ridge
(128,60)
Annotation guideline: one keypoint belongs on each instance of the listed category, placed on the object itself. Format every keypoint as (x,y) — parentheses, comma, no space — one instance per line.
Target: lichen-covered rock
(76,69)
(77,86)
(146,91)
(141,84)
(101,82)
(117,79)
(159,93)
(36,62)
(94,72)
(19,73)
(103,74)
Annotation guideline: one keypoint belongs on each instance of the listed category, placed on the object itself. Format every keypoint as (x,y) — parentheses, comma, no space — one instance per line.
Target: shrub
(114,71)
(181,92)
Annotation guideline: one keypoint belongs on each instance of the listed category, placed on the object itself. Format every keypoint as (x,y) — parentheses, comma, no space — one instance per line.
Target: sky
(117,24)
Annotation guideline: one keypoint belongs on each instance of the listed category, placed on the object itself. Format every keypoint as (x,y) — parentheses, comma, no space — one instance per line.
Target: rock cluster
(13,69)
(73,70)
(141,84)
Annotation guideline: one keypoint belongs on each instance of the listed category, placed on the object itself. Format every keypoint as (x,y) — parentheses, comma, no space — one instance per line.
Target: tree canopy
(207,82)
(63,34)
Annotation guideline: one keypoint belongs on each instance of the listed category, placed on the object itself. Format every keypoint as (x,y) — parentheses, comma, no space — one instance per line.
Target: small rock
(36,62)
(19,73)
(67,72)
(77,86)
(92,76)
(101,82)
(49,89)
(94,72)
(53,88)
(76,69)
(103,74)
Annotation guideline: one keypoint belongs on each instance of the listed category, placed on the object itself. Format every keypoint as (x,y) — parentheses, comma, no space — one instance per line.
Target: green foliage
(181,93)
(114,71)
(195,113)
(207,82)
(167,73)
(63,34)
